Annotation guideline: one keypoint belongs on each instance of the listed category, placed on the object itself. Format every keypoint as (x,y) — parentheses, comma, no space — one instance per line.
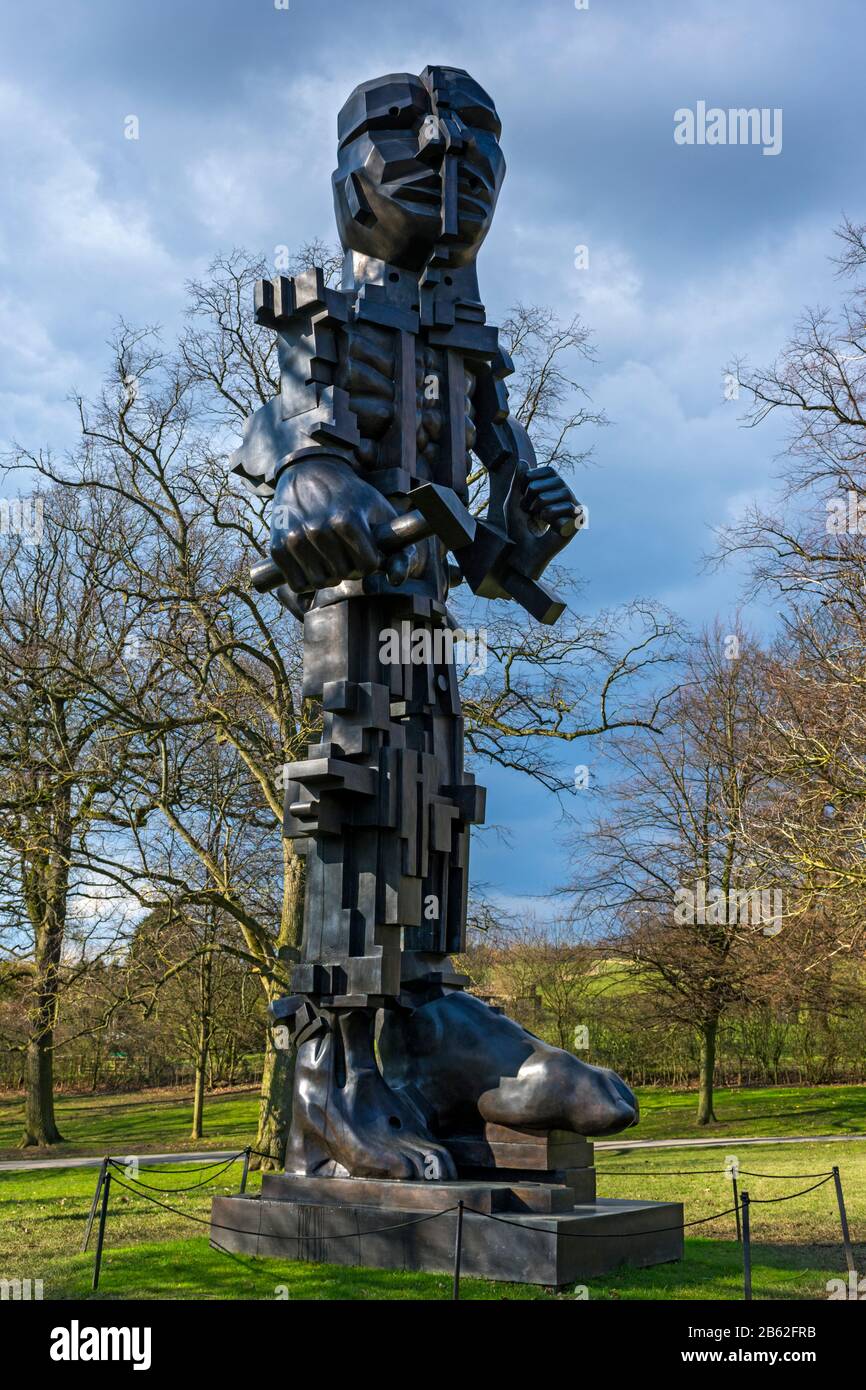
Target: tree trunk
(199,1084)
(45,883)
(275,1108)
(706,1113)
(39,1124)
(205,977)
(97,1066)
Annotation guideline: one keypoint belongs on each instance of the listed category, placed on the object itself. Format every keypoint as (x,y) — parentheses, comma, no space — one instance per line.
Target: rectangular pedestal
(497,1195)
(521,1150)
(555,1248)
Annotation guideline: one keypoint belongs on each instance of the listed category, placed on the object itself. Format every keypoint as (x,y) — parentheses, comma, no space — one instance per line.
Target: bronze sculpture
(410,1094)
(387,384)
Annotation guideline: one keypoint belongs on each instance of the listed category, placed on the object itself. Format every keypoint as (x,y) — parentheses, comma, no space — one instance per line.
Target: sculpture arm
(533,506)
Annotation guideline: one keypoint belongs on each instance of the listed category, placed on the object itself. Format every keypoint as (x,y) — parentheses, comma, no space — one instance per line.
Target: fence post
(747,1249)
(100,1235)
(736,1204)
(246,1170)
(458,1249)
(99,1181)
(843,1217)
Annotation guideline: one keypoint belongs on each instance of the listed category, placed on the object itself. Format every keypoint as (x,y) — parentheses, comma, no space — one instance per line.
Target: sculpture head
(419,168)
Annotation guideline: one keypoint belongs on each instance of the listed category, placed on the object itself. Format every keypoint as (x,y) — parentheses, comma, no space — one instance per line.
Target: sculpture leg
(347,1120)
(381,809)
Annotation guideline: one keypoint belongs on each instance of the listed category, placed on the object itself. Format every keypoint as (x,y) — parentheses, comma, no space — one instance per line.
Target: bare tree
(65,746)
(671,868)
(809,554)
(540,970)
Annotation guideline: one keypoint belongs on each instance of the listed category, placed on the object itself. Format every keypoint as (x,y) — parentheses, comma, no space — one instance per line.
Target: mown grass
(136,1122)
(696,1178)
(766,1111)
(154,1253)
(190,1269)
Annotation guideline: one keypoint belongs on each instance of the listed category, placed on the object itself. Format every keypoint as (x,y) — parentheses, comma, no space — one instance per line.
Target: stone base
(524,1195)
(543,1242)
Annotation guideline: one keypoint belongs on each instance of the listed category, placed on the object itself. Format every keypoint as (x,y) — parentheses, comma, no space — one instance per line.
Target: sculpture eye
(399,116)
(481,118)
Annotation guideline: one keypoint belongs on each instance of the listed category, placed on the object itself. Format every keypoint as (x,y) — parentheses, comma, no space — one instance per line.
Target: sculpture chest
(413,401)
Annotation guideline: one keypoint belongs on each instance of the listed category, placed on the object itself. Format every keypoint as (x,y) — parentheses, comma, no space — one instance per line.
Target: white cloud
(59,212)
(75,257)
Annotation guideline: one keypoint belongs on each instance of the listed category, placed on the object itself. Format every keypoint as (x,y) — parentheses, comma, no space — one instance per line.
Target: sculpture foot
(347,1120)
(470,1065)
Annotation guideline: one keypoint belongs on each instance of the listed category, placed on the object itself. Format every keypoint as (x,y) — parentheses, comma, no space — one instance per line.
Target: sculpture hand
(322,522)
(541,516)
(549,500)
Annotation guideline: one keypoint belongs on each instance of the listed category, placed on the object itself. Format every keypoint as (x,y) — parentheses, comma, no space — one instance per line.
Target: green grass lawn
(190,1269)
(693,1177)
(766,1111)
(139,1122)
(147,1121)
(153,1253)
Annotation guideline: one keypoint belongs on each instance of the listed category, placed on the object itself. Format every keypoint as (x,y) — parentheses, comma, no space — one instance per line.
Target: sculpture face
(420,168)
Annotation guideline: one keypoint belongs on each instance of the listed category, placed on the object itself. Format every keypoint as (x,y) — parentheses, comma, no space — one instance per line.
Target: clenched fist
(322,521)
(550,501)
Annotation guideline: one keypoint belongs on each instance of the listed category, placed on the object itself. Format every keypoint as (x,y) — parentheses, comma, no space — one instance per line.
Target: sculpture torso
(367,370)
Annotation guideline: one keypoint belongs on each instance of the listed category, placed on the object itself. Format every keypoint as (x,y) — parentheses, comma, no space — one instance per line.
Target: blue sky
(696,253)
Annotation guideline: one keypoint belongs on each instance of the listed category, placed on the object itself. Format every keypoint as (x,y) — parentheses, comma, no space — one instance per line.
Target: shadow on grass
(191,1269)
(194,1270)
(713,1269)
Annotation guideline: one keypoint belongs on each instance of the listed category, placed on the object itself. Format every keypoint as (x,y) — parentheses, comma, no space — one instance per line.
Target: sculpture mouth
(424,194)
(474,198)
(419,194)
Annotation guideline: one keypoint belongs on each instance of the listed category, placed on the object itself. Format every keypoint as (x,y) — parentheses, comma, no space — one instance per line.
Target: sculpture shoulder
(320,340)
(312,410)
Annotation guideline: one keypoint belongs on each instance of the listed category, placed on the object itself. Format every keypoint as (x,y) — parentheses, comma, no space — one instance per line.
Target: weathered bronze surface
(388,384)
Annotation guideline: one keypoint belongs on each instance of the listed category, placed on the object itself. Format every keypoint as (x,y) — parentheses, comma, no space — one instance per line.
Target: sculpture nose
(431,141)
(450,196)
